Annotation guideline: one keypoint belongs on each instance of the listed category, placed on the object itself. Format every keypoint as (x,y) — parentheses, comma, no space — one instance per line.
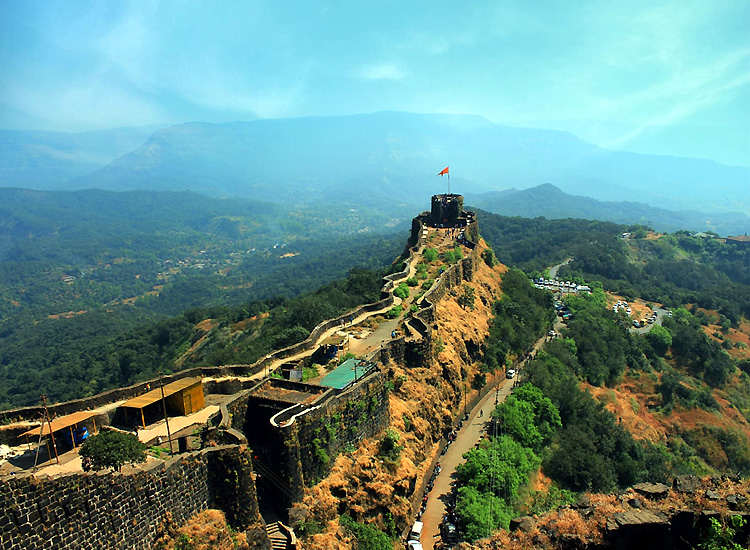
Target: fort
(267,436)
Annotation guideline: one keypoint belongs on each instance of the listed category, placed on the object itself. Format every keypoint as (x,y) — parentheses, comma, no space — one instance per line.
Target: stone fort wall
(128,510)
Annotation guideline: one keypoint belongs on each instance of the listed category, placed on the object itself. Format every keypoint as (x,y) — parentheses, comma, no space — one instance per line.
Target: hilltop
(551,202)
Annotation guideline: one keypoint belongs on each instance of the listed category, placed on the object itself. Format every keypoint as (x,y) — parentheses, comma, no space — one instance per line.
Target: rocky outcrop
(647,516)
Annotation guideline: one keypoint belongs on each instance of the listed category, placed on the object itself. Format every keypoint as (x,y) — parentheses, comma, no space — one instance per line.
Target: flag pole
(442,173)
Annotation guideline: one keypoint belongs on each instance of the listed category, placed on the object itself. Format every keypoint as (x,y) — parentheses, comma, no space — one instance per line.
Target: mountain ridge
(310,160)
(557,204)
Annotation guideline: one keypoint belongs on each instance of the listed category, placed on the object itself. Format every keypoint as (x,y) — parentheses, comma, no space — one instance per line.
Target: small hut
(182,397)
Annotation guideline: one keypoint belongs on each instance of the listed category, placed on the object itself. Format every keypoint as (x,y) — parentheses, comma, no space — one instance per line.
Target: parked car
(450,533)
(511,373)
(416,531)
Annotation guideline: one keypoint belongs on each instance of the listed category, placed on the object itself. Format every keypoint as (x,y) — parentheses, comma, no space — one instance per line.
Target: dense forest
(88,279)
(551,420)
(675,269)
(68,252)
(67,361)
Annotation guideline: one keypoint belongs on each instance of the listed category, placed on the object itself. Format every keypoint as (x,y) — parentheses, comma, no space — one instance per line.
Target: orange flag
(445,171)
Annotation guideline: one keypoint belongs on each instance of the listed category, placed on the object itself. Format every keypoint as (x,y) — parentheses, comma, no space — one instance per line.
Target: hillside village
(285,446)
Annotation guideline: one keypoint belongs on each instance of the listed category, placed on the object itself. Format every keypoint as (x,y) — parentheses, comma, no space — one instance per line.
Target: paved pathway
(660,315)
(472,431)
(553,269)
(357,346)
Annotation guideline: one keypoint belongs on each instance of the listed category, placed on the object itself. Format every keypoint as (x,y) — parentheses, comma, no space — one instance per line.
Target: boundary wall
(129,510)
(316,437)
(419,352)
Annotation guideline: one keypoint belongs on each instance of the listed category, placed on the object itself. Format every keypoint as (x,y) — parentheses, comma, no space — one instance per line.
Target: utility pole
(164,407)
(49,423)
(466,414)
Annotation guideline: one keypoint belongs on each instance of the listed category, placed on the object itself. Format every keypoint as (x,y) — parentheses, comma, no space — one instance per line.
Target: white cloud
(382,71)
(84,106)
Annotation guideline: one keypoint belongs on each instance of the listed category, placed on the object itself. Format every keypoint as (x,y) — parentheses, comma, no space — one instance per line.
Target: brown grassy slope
(206,530)
(423,403)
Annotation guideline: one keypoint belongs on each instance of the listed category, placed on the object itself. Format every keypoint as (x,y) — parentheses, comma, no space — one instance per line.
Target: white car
(414,545)
(511,373)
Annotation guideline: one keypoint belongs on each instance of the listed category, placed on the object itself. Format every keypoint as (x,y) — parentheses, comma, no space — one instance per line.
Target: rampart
(129,510)
(90,511)
(313,440)
(418,352)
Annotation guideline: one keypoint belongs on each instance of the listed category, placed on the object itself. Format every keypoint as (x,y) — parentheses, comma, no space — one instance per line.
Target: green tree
(430,254)
(402,291)
(720,535)
(111,449)
(530,417)
(467,297)
(368,537)
(660,339)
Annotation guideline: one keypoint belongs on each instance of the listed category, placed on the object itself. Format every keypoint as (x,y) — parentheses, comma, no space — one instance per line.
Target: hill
(45,160)
(67,251)
(551,202)
(575,422)
(390,158)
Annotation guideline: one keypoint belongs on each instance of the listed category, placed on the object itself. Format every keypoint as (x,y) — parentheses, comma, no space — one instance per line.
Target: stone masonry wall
(122,510)
(315,439)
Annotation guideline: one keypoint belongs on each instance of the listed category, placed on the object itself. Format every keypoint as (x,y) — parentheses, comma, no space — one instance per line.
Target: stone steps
(279,539)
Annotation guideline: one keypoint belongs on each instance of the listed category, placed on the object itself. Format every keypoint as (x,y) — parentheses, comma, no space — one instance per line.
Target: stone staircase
(280,536)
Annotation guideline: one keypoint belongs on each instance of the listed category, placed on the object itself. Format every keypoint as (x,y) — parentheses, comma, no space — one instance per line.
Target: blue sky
(657,77)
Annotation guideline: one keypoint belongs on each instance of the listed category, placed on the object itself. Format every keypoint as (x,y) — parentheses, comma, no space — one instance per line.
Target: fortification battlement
(447,210)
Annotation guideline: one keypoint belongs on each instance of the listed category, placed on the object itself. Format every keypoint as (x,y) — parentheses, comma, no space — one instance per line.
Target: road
(553,269)
(472,432)
(661,314)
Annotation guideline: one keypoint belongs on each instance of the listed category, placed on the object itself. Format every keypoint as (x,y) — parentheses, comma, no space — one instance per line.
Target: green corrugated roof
(344,374)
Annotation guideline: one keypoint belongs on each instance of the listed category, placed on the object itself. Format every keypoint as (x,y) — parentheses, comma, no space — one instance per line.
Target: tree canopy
(111,449)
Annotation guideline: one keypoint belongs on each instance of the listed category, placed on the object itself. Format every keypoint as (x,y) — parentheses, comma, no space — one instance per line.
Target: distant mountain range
(552,203)
(46,160)
(383,160)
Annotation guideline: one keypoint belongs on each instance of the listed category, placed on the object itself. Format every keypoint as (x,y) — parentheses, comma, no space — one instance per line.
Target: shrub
(389,447)
(402,291)
(368,537)
(111,449)
(394,312)
(430,255)
(467,297)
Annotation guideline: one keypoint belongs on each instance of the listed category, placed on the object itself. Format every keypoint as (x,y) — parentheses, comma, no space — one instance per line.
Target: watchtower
(446,209)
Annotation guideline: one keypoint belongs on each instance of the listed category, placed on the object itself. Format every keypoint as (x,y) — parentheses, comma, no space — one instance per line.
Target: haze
(662,78)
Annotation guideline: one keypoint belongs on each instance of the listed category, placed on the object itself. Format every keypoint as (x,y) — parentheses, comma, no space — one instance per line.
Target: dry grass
(367,487)
(207,530)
